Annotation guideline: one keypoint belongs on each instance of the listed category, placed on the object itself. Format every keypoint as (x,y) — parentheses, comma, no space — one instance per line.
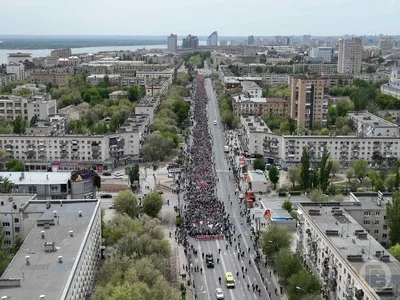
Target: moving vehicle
(219,293)
(106,174)
(111,206)
(229,280)
(215,122)
(105,196)
(117,174)
(226,149)
(209,260)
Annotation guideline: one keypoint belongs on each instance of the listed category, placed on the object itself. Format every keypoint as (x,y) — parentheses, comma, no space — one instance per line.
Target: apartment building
(16,68)
(349,261)
(325,53)
(368,125)
(157,86)
(168,73)
(272,79)
(350,55)
(148,106)
(253,130)
(386,45)
(393,86)
(52,125)
(54,185)
(12,106)
(309,105)
(6,79)
(252,89)
(117,95)
(190,42)
(172,43)
(19,57)
(272,107)
(59,78)
(212,40)
(60,256)
(95,79)
(61,53)
(123,68)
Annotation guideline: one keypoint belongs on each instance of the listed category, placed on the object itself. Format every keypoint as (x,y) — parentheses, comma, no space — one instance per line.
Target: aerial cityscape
(166,159)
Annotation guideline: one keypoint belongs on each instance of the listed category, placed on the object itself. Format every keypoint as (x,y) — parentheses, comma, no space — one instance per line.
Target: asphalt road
(206,283)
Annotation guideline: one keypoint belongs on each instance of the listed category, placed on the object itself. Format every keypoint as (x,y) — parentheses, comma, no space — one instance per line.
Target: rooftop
(370,119)
(36,178)
(255,124)
(45,275)
(244,98)
(246,85)
(256,175)
(118,93)
(19,54)
(7,202)
(148,101)
(355,245)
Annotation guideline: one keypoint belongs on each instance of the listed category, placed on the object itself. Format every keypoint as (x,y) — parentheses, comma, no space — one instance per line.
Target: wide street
(206,283)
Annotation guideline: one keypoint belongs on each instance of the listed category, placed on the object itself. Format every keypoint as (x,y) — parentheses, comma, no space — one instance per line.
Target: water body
(46,52)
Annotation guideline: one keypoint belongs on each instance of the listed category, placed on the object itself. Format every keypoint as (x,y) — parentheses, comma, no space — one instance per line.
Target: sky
(201,17)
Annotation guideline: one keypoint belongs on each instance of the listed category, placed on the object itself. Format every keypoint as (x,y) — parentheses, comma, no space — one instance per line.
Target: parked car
(106,174)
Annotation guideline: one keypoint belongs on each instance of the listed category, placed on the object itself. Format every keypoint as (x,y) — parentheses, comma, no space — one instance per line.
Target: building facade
(308,102)
(271,107)
(369,125)
(19,57)
(350,55)
(250,40)
(54,77)
(172,43)
(212,40)
(326,53)
(61,53)
(393,86)
(190,42)
(252,89)
(16,68)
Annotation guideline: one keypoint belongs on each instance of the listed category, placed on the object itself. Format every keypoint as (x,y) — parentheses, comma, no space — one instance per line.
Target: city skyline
(304,17)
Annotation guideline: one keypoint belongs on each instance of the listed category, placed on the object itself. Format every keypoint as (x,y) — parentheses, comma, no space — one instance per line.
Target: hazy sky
(228,17)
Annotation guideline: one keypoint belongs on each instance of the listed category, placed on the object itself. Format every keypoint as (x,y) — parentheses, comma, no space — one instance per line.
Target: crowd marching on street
(204,215)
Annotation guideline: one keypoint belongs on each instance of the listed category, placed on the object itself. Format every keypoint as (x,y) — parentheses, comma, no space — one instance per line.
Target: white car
(117,174)
(219,293)
(215,122)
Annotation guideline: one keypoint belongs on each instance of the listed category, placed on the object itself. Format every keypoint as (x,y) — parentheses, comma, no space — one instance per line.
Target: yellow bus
(230,282)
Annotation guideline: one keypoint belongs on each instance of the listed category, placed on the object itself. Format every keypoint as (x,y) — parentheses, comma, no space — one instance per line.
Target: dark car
(209,260)
(105,196)
(106,174)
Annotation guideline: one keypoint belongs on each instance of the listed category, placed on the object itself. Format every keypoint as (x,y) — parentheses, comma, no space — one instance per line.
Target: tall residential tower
(350,54)
(172,43)
(212,40)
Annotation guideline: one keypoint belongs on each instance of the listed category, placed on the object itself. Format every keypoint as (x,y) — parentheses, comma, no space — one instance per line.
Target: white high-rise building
(350,54)
(172,43)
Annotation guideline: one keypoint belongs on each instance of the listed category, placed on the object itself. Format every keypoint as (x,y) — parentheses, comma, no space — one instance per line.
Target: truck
(209,260)
(226,149)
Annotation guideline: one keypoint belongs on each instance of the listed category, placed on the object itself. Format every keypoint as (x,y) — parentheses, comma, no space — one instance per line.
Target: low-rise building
(51,62)
(117,95)
(393,86)
(95,79)
(368,125)
(53,125)
(253,130)
(168,73)
(16,68)
(61,254)
(148,106)
(272,107)
(75,112)
(6,79)
(157,86)
(252,89)
(19,57)
(350,262)
(64,53)
(32,88)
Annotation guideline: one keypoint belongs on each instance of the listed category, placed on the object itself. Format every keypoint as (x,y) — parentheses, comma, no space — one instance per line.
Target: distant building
(61,254)
(172,43)
(369,125)
(350,55)
(30,87)
(19,57)
(16,68)
(61,53)
(393,86)
(309,105)
(252,89)
(386,44)
(326,53)
(250,40)
(223,43)
(6,79)
(271,107)
(75,112)
(157,86)
(54,77)
(148,105)
(212,40)
(116,95)
(232,43)
(95,79)
(190,42)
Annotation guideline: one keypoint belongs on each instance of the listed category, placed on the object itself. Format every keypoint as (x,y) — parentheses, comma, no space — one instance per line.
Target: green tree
(305,173)
(134,174)
(395,251)
(360,168)
(332,115)
(273,175)
(379,184)
(157,147)
(126,203)
(276,238)
(397,174)
(134,93)
(6,186)
(370,69)
(343,106)
(335,166)
(390,181)
(294,175)
(393,218)
(324,170)
(303,282)
(152,204)
(14,165)
(350,174)
(19,125)
(287,264)
(287,205)
(258,164)
(317,195)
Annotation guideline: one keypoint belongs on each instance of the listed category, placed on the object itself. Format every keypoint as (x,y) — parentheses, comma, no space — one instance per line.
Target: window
(385,227)
(384,235)
(367,213)
(16,229)
(377,213)
(376,222)
(7,242)
(6,224)
(7,232)
(16,220)
(54,188)
(32,189)
(367,222)
(376,231)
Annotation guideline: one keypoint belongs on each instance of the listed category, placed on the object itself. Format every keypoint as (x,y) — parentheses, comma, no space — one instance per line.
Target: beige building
(168,73)
(308,104)
(271,107)
(350,56)
(157,86)
(43,77)
(62,53)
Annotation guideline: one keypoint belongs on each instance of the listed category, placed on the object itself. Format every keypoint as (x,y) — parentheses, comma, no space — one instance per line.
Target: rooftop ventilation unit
(49,246)
(42,234)
(314,212)
(55,214)
(332,232)
(5,298)
(354,258)
(385,258)
(60,259)
(27,259)
(363,236)
(71,233)
(80,213)
(356,232)
(42,297)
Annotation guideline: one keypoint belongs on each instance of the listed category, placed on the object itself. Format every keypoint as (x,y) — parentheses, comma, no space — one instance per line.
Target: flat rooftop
(348,244)
(7,202)
(244,98)
(256,176)
(370,119)
(36,178)
(255,124)
(148,101)
(45,275)
(249,85)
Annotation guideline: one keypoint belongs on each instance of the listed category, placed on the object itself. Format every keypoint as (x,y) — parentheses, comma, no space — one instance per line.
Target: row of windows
(54,141)
(7,224)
